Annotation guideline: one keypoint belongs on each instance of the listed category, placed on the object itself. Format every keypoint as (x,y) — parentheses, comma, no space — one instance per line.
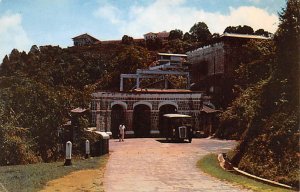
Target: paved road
(144,165)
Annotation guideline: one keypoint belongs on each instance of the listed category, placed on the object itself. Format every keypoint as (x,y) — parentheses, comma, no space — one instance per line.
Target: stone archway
(117,117)
(165,109)
(141,120)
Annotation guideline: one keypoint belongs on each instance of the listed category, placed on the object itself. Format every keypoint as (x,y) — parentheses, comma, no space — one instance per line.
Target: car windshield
(184,121)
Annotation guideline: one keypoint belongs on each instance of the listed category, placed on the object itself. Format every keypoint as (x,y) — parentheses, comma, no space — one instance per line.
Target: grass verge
(209,164)
(34,176)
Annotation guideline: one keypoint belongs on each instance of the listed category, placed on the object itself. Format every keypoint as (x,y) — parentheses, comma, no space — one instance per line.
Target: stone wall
(212,55)
(189,103)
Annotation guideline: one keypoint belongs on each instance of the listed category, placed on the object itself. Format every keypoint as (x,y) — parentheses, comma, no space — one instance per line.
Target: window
(94,105)
(94,118)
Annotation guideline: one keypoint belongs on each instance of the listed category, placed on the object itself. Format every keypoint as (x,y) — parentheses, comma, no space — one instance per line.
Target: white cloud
(12,34)
(167,15)
(108,12)
(254,17)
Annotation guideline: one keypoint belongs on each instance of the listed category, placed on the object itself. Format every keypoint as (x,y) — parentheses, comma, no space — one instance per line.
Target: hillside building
(212,66)
(85,39)
(142,108)
(164,35)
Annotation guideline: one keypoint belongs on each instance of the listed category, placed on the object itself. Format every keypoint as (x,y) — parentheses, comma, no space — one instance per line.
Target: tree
(128,60)
(245,29)
(215,38)
(16,145)
(127,40)
(177,46)
(187,37)
(175,34)
(34,49)
(287,39)
(154,44)
(268,106)
(39,108)
(230,29)
(200,32)
(262,32)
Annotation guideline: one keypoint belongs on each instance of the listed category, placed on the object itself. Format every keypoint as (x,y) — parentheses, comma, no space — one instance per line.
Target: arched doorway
(117,117)
(165,109)
(141,120)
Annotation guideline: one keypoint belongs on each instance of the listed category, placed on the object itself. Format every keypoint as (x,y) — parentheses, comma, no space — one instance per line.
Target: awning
(78,110)
(206,109)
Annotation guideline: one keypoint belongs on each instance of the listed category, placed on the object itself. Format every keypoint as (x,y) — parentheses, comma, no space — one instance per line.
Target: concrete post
(166,83)
(188,81)
(68,154)
(87,149)
(121,83)
(138,82)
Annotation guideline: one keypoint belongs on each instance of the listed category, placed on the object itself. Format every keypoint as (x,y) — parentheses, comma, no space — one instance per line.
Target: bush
(16,146)
(273,153)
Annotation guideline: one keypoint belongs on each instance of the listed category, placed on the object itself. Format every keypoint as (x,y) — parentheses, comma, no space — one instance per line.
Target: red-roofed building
(160,35)
(85,39)
(163,35)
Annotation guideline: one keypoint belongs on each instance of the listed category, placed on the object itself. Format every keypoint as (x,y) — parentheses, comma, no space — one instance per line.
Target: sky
(24,23)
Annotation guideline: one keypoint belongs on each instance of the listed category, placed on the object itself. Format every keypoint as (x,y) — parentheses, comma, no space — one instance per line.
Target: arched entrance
(141,120)
(117,117)
(165,109)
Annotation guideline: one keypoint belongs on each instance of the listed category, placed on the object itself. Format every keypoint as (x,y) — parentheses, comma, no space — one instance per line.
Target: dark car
(177,127)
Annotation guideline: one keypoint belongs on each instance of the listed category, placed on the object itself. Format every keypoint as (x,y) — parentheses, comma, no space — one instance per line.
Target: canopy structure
(176,116)
(166,65)
(208,110)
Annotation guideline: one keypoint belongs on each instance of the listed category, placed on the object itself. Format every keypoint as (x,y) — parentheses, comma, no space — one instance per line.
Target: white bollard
(68,154)
(87,149)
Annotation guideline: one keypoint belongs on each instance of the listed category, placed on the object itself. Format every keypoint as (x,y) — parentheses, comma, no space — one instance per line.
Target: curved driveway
(144,165)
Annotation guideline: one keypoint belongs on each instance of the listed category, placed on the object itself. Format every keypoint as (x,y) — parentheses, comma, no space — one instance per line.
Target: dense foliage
(245,29)
(16,144)
(200,32)
(265,114)
(38,90)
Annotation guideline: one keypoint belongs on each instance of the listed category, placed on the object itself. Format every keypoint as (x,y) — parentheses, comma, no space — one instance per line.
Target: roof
(207,109)
(172,54)
(78,110)
(111,41)
(246,36)
(163,90)
(68,123)
(150,33)
(176,116)
(84,36)
(163,34)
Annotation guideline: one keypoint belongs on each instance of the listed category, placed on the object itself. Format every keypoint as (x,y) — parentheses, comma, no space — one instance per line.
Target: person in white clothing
(122,132)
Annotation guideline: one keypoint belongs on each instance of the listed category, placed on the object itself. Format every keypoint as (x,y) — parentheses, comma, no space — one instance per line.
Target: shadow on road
(170,141)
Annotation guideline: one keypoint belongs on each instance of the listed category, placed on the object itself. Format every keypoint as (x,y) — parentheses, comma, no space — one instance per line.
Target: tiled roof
(163,90)
(150,33)
(243,36)
(163,34)
(176,116)
(78,110)
(171,54)
(207,109)
(84,36)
